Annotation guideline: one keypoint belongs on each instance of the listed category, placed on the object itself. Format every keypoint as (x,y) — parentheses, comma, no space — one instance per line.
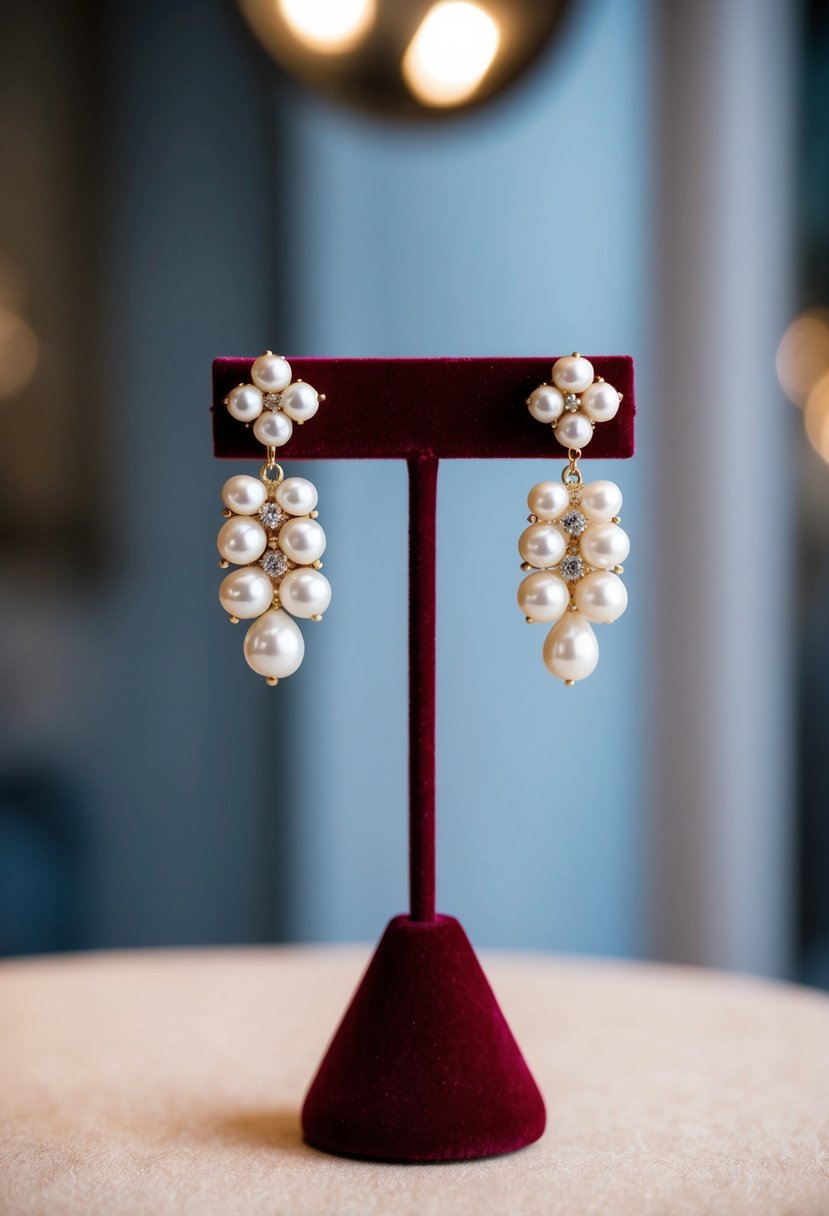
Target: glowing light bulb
(816,417)
(329,26)
(803,355)
(18,353)
(450,53)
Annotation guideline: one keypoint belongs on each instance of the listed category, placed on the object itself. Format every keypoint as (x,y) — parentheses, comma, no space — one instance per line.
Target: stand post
(423,1066)
(423,475)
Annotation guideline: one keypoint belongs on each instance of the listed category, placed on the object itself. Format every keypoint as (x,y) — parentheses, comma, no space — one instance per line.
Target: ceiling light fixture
(425,59)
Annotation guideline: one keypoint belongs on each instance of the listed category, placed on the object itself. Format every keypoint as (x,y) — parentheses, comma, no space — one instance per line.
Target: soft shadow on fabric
(274,1129)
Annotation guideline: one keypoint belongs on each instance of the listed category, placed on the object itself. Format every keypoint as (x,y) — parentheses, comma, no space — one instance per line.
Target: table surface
(170,1082)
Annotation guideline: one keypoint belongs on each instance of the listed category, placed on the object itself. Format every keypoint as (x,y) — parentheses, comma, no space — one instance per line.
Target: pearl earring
(270,530)
(574,545)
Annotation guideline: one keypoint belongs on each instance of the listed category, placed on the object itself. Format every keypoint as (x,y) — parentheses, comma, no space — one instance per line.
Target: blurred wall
(521,230)
(604,205)
(123,689)
(721,844)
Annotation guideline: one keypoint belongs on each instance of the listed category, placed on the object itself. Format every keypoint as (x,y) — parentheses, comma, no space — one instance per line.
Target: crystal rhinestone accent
(571,402)
(573,522)
(271,515)
(274,563)
(271,400)
(572,567)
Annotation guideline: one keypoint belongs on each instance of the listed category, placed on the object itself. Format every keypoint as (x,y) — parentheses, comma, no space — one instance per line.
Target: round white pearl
(246,593)
(601,596)
(241,540)
(271,373)
(574,431)
(571,651)
(274,645)
(244,402)
(273,428)
(601,500)
(542,545)
(545,403)
(600,401)
(297,495)
(244,495)
(548,499)
(543,596)
(300,401)
(305,593)
(302,540)
(604,545)
(572,374)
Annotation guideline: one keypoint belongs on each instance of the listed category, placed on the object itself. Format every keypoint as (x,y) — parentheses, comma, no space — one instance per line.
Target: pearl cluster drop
(574,402)
(271,532)
(574,549)
(273,535)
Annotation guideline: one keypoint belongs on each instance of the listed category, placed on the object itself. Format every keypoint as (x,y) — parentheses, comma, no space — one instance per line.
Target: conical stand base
(423,1066)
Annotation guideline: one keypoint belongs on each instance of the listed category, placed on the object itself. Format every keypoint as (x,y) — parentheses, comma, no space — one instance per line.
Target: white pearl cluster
(272,403)
(574,402)
(271,531)
(575,549)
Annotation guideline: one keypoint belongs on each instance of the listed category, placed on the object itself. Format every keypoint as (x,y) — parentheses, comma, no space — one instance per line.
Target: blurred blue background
(172,196)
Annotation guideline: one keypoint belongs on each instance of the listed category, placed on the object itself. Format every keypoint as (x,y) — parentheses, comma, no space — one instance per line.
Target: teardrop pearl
(601,596)
(574,431)
(302,540)
(543,596)
(244,402)
(541,545)
(600,401)
(243,495)
(572,374)
(601,500)
(271,373)
(604,545)
(305,593)
(297,495)
(300,401)
(241,540)
(548,500)
(246,593)
(273,428)
(571,651)
(274,645)
(545,403)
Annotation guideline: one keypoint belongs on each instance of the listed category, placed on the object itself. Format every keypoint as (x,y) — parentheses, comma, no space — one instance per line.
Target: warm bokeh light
(451,52)
(329,26)
(803,354)
(18,353)
(816,417)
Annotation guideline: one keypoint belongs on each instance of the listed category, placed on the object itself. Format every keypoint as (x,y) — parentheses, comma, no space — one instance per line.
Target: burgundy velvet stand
(423,1066)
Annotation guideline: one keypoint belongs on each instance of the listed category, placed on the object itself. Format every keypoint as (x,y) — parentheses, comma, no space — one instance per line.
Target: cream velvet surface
(170,1082)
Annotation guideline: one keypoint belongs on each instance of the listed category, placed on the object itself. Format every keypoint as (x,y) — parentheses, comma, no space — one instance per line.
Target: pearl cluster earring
(271,531)
(574,545)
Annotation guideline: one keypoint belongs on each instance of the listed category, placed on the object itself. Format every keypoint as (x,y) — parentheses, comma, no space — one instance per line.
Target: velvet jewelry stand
(423,1066)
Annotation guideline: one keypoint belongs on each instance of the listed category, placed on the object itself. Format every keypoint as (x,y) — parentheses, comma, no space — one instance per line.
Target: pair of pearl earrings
(271,533)
(573,549)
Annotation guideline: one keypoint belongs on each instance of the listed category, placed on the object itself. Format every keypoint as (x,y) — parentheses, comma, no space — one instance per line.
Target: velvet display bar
(423,1066)
(396,409)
